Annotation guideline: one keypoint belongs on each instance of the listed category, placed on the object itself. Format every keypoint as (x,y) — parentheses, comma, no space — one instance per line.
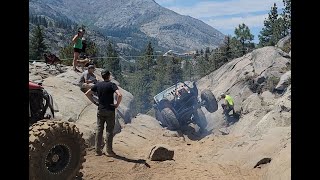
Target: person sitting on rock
(87,79)
(227,106)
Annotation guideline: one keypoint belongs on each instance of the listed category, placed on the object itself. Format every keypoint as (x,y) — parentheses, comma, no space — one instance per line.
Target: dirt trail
(192,159)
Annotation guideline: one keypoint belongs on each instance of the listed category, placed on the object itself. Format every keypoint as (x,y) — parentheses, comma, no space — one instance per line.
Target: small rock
(262,161)
(284,108)
(168,133)
(224,131)
(72,118)
(161,153)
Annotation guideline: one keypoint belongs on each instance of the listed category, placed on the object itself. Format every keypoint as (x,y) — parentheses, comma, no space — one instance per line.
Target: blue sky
(225,15)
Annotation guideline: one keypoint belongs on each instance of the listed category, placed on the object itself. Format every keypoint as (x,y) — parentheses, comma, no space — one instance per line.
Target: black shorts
(77,50)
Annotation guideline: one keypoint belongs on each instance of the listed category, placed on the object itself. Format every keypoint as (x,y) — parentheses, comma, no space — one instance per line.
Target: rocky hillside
(253,77)
(134,22)
(260,83)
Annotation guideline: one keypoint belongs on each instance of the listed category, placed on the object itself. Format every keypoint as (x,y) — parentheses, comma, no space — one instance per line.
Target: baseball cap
(105,72)
(81,30)
(91,66)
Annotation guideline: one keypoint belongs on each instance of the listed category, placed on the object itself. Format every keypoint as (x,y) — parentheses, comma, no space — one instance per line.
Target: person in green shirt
(228,105)
(77,48)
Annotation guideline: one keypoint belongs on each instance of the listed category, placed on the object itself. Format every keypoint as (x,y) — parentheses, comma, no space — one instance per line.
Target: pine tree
(91,49)
(45,23)
(215,59)
(37,46)
(244,36)
(236,47)
(147,62)
(145,79)
(174,69)
(202,66)
(161,76)
(50,24)
(225,49)
(206,56)
(67,53)
(201,52)
(271,32)
(197,53)
(286,18)
(207,50)
(188,72)
(112,62)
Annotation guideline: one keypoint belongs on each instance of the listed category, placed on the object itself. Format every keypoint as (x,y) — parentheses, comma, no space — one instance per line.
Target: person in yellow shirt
(228,105)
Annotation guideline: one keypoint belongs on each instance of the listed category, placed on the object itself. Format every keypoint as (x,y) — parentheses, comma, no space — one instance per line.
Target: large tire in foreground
(56,150)
(200,119)
(170,119)
(210,101)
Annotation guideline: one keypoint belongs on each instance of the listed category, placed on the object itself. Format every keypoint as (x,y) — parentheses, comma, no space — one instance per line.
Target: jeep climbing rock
(179,105)
(56,148)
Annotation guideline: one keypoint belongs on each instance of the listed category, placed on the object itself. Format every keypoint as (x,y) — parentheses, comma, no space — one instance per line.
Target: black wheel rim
(57,159)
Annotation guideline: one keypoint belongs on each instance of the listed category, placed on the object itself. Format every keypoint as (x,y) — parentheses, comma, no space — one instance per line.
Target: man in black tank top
(106,111)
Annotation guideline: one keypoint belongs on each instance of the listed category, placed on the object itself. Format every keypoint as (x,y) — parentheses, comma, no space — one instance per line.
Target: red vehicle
(56,148)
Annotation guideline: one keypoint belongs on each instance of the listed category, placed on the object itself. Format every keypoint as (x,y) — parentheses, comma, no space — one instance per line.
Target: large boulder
(270,61)
(238,77)
(264,127)
(282,42)
(253,102)
(144,132)
(268,100)
(161,152)
(73,105)
(284,82)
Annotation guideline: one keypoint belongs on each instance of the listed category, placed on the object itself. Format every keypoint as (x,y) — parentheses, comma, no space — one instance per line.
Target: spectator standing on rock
(106,111)
(77,47)
(228,105)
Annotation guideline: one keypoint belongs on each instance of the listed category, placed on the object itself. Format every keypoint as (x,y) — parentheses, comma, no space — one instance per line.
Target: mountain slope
(135,22)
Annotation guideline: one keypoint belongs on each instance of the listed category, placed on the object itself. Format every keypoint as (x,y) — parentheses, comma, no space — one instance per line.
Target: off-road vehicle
(56,148)
(179,105)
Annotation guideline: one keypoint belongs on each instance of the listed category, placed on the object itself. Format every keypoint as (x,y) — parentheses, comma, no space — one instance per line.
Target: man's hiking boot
(110,154)
(99,153)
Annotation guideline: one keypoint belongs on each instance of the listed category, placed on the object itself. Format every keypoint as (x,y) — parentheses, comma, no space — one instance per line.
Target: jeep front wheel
(170,118)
